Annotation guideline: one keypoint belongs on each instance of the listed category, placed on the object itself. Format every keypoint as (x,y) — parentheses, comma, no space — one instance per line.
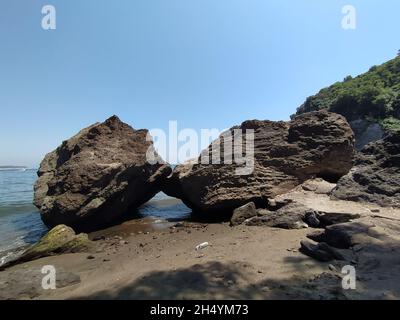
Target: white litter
(202,246)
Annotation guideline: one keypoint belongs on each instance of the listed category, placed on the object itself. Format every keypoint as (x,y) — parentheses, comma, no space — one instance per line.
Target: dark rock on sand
(97,175)
(330,218)
(315,144)
(290,216)
(243,213)
(376,174)
(346,235)
(320,251)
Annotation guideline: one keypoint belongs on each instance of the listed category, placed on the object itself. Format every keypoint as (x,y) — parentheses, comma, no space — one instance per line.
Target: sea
(20,223)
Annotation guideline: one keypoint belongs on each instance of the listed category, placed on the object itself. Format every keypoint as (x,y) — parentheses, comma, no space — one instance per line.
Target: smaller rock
(179,225)
(60,239)
(317,236)
(331,218)
(318,186)
(90,257)
(243,213)
(321,251)
(98,238)
(311,219)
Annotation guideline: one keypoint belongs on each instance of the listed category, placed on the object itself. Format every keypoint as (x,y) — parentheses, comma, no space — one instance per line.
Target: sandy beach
(131,262)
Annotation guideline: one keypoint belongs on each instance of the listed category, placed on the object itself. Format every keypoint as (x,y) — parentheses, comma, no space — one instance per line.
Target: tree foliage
(374,95)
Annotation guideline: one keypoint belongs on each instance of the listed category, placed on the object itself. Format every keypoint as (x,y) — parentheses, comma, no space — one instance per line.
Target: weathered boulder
(97,175)
(376,174)
(320,251)
(59,240)
(318,186)
(315,144)
(290,216)
(243,213)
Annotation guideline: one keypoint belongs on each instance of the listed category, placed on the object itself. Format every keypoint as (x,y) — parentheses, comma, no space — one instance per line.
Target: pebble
(90,257)
(99,238)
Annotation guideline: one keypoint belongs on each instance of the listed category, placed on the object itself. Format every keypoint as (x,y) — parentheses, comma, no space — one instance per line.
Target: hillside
(373,98)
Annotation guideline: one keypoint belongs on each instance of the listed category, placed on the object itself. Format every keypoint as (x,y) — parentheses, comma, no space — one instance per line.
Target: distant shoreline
(15,168)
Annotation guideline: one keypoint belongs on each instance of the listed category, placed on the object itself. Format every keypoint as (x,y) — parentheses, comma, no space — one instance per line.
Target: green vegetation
(374,95)
(391,124)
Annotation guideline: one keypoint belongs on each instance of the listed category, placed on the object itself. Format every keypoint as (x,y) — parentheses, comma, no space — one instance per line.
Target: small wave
(14,209)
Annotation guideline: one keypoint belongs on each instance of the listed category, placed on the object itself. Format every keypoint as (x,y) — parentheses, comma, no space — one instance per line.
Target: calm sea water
(20,223)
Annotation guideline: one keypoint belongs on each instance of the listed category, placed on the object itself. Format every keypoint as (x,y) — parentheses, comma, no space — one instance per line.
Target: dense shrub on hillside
(374,95)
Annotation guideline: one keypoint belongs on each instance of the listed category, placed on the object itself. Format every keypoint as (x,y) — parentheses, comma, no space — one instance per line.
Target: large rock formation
(97,175)
(315,144)
(376,174)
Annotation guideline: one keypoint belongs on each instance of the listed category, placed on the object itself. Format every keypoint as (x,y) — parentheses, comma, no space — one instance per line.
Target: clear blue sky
(204,63)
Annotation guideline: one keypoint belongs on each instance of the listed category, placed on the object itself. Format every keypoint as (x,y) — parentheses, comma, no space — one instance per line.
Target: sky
(202,63)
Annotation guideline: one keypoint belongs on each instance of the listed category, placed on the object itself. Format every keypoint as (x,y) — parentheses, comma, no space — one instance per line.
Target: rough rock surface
(321,251)
(290,216)
(315,144)
(376,174)
(366,132)
(243,213)
(319,186)
(97,175)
